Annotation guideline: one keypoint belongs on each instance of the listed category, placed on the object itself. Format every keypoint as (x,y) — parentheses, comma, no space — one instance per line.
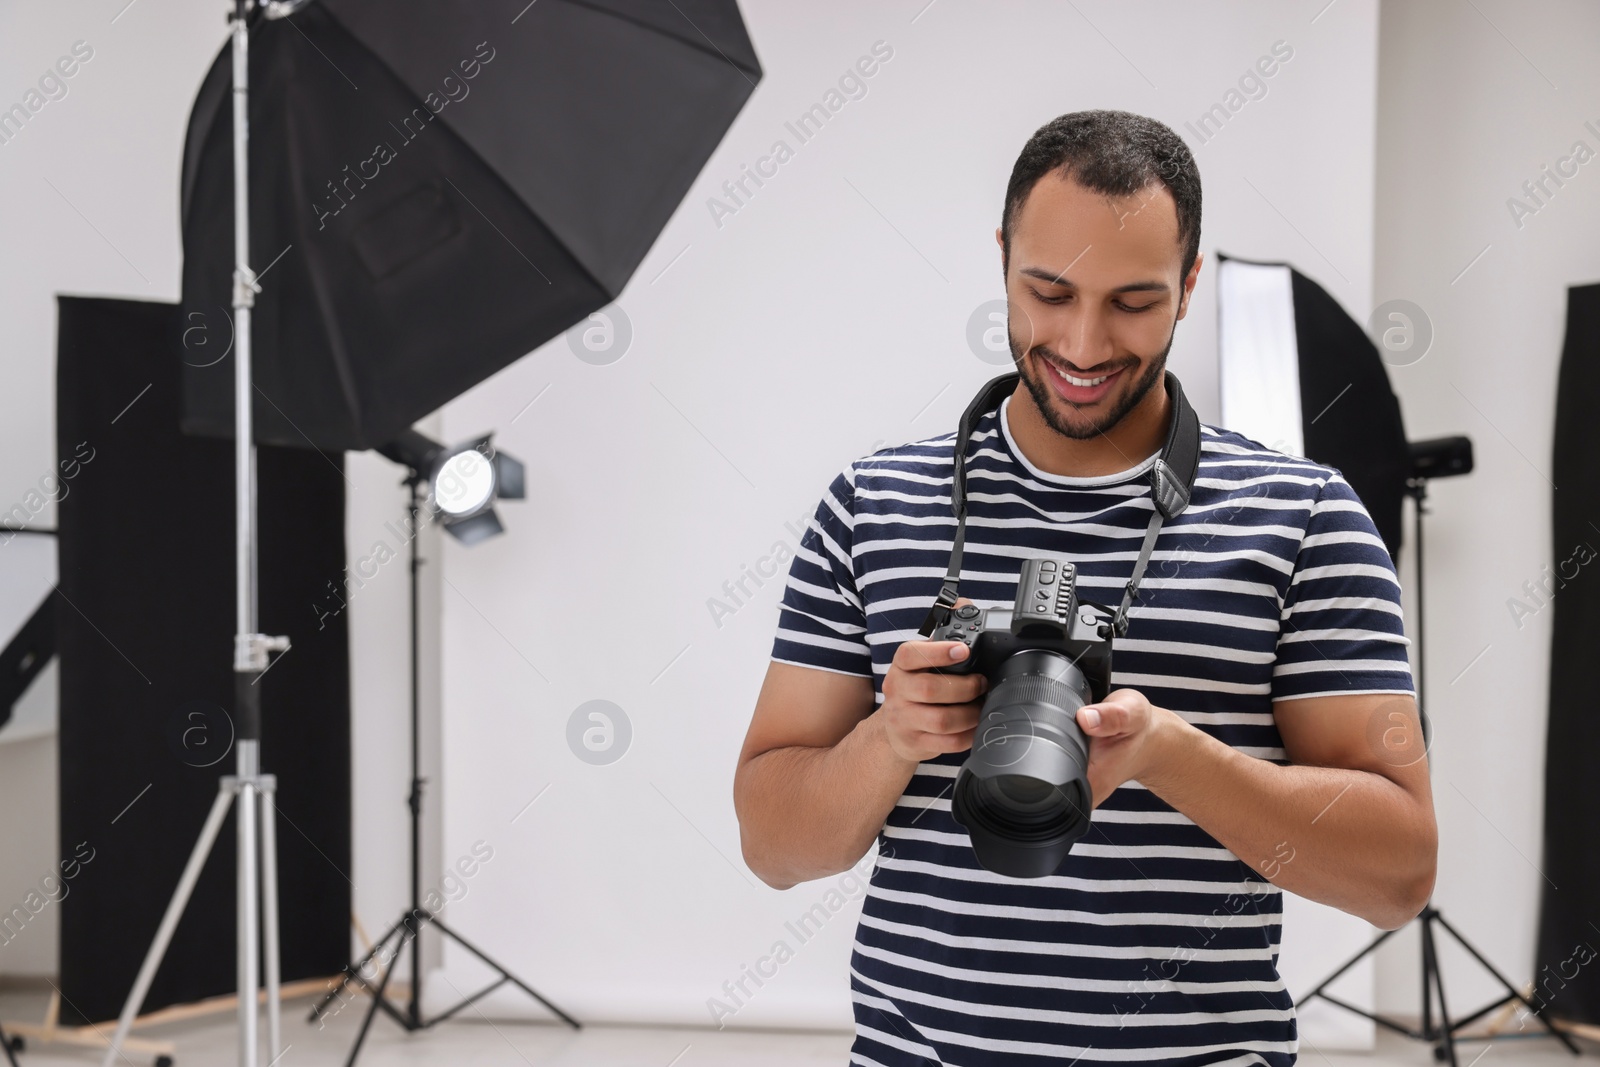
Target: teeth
(1082,382)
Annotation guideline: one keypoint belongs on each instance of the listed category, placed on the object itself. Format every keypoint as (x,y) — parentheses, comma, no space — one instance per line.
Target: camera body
(1023,793)
(1045,614)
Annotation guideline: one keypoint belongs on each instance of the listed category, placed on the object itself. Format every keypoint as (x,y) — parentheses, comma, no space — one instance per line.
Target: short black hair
(1116,153)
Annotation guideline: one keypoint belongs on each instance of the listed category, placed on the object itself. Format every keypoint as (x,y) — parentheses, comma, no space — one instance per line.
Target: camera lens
(1023,794)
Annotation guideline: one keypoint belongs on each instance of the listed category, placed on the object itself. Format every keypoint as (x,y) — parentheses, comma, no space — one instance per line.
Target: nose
(1085,339)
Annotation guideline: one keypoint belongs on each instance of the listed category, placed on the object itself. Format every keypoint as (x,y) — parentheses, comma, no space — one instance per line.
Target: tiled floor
(210,1043)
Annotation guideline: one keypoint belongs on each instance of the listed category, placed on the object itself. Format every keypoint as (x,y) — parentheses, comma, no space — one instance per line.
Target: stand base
(51,1032)
(248,789)
(5,1043)
(1441,1034)
(405,932)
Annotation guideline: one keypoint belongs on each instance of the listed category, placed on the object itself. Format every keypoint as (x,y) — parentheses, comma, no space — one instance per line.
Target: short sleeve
(821,621)
(1341,630)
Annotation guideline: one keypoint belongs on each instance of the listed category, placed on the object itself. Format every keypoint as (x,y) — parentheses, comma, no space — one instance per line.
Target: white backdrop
(823,317)
(1487,106)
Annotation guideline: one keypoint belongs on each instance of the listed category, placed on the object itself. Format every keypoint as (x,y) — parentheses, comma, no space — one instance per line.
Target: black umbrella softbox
(1340,408)
(436,190)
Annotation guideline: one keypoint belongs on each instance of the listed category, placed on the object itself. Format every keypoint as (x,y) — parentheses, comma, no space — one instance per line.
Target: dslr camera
(1023,794)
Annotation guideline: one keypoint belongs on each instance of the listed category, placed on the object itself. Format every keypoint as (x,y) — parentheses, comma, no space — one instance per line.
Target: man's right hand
(816,780)
(926,712)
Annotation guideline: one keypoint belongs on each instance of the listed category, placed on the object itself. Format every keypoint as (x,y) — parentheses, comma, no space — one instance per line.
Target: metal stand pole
(250,647)
(408,929)
(414,999)
(1441,1034)
(257,873)
(269,912)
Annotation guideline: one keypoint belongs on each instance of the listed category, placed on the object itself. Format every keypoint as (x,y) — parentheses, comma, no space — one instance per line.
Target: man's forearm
(1351,839)
(807,813)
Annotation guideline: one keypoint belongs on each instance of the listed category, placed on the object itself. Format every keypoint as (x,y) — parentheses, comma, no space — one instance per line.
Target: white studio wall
(774,334)
(779,331)
(90,194)
(1489,104)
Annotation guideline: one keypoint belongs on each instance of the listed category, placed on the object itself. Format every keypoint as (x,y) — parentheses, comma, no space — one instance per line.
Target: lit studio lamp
(463,482)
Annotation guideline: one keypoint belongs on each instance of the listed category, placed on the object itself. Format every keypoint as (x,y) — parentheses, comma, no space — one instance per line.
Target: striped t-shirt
(1152,944)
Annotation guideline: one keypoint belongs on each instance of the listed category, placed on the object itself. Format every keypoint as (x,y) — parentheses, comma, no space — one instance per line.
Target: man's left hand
(1126,736)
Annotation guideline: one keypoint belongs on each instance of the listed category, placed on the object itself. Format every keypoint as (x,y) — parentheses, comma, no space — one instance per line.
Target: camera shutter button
(967,611)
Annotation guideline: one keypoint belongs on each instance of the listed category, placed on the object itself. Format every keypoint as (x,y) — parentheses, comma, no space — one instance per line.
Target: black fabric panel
(1361,434)
(1566,971)
(145,635)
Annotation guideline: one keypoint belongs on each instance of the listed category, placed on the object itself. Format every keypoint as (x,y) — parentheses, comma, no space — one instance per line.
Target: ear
(1189,282)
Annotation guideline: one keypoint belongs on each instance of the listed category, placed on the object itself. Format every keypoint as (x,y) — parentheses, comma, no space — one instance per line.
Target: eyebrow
(1132,287)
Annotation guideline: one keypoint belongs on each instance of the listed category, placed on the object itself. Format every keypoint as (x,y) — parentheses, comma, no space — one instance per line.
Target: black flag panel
(1564,974)
(145,638)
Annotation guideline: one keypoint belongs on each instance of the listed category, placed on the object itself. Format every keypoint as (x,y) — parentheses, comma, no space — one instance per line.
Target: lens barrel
(1023,794)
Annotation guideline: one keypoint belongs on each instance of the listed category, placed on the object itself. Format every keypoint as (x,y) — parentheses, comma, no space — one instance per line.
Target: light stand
(1439,458)
(419,455)
(257,900)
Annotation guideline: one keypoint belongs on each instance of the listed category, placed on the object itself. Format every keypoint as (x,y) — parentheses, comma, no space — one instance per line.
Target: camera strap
(1171,480)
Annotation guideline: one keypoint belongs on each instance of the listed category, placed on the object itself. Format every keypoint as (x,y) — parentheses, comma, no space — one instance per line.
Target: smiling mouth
(1077,389)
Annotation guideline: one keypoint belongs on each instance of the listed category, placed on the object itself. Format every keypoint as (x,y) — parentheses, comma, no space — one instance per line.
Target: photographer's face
(1094,295)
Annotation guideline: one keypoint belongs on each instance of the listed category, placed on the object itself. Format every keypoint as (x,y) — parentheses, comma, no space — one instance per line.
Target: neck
(1137,435)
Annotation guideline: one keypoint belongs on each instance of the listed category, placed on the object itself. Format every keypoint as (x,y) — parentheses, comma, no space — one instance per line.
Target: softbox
(436,190)
(1300,375)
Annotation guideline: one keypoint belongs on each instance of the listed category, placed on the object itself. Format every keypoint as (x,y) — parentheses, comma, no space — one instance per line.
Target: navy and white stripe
(1153,943)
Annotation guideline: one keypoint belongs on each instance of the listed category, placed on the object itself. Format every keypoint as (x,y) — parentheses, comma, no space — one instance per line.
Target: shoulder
(1230,460)
(926,464)
(1308,505)
(905,480)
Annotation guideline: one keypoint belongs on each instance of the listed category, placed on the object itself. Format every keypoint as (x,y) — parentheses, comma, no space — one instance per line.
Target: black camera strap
(1171,480)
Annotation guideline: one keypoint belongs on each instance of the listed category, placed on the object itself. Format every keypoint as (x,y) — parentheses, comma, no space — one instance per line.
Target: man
(1259,735)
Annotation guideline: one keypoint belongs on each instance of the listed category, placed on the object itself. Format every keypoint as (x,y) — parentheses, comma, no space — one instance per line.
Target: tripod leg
(408,933)
(513,979)
(269,917)
(1447,1036)
(1351,962)
(1538,1012)
(249,926)
(1428,966)
(169,922)
(352,973)
(5,1043)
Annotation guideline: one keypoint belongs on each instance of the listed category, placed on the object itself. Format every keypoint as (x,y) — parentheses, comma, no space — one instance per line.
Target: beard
(1045,396)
